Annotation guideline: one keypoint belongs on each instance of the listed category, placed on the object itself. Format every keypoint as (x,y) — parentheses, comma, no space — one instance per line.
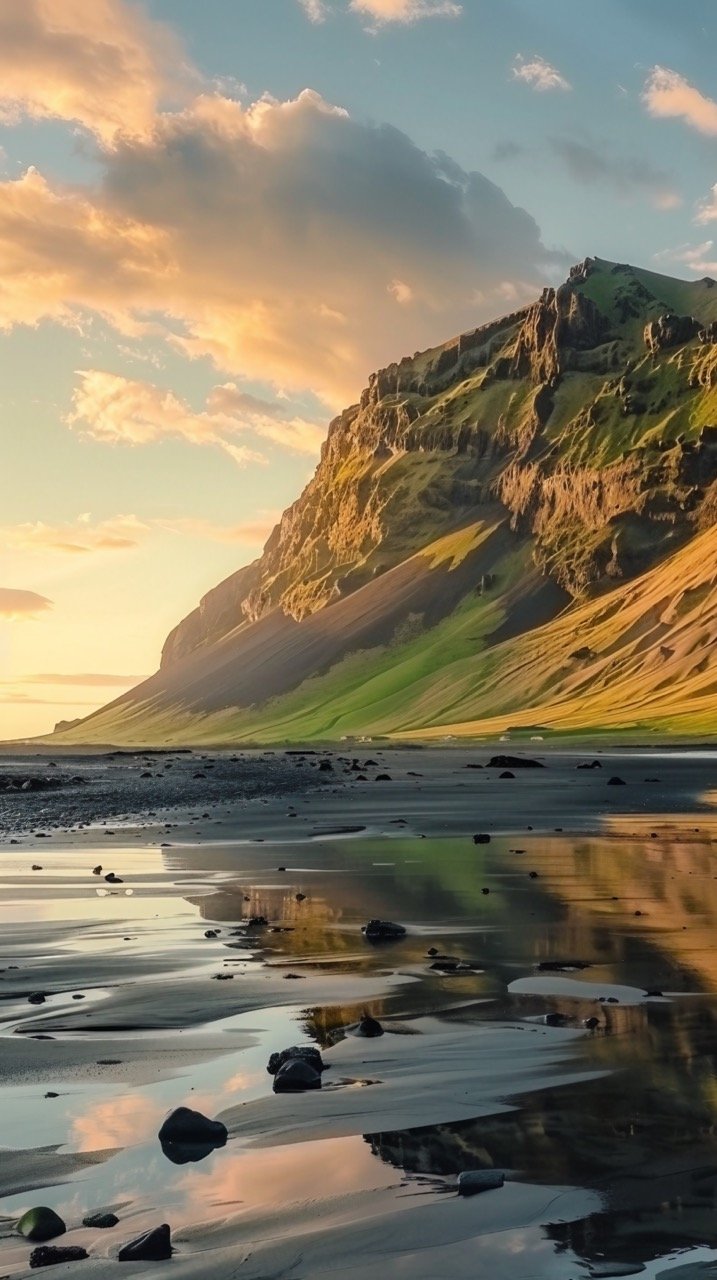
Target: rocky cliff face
(583,414)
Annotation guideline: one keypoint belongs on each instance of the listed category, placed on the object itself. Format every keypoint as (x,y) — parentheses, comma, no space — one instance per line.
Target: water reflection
(642,1136)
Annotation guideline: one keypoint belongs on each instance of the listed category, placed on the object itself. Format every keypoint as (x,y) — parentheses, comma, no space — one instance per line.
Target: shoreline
(324,1183)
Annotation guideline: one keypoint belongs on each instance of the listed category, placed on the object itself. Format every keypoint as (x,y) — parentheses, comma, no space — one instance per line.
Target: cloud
(315,10)
(87,679)
(122,532)
(700,258)
(507,150)
(405,11)
(19,699)
(707,208)
(104,64)
(592,165)
(667,95)
(22,604)
(266,237)
(115,409)
(539,74)
(76,537)
(246,532)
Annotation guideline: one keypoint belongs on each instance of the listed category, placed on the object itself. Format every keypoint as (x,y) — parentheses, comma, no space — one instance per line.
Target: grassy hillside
(541,488)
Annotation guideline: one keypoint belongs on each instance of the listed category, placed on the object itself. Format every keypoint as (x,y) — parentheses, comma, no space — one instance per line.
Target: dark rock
(583,654)
(211,933)
(41,1224)
(507,774)
(382,931)
(514,762)
(303,1052)
(383,777)
(594,764)
(369,1027)
(113,879)
(616,782)
(555,1020)
(592,1023)
(481,838)
(102,1221)
(300,897)
(37,997)
(187,1126)
(257,922)
(49,1255)
(474,1181)
(153,1246)
(432,951)
(295,1076)
(533,875)
(97,871)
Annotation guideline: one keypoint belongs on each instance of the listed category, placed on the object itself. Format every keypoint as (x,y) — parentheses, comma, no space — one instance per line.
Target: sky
(217,219)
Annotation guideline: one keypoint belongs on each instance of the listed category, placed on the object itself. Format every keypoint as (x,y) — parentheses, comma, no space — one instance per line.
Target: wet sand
(606,1134)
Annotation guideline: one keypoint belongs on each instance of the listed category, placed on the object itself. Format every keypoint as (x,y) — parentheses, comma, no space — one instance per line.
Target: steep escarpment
(475,492)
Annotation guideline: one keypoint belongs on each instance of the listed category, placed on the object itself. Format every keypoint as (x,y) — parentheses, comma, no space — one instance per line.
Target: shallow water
(639,1137)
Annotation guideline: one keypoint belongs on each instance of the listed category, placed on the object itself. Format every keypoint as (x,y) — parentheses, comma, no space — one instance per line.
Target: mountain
(515,529)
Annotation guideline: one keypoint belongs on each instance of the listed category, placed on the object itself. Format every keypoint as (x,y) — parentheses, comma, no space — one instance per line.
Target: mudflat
(549,1015)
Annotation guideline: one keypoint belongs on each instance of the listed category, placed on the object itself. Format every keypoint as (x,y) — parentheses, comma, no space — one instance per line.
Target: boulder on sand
(382,931)
(153,1246)
(473,1181)
(302,1052)
(187,1126)
(514,762)
(295,1076)
(41,1224)
(48,1255)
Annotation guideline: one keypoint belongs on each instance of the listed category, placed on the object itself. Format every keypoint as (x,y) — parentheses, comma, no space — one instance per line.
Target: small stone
(37,997)
(481,838)
(506,774)
(41,1224)
(49,1255)
(100,1220)
(300,897)
(473,1181)
(592,1023)
(153,1246)
(97,871)
(113,879)
(383,777)
(616,782)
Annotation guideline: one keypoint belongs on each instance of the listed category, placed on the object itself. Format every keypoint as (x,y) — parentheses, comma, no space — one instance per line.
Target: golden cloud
(269,238)
(15,603)
(103,64)
(667,94)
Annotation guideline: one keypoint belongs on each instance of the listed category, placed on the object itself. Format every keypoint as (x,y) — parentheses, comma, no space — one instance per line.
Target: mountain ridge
(485,489)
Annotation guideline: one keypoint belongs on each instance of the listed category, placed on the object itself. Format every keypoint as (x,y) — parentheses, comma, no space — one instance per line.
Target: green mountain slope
(543,486)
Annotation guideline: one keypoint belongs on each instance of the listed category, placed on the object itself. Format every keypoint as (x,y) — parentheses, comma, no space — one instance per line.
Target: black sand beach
(551,1012)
